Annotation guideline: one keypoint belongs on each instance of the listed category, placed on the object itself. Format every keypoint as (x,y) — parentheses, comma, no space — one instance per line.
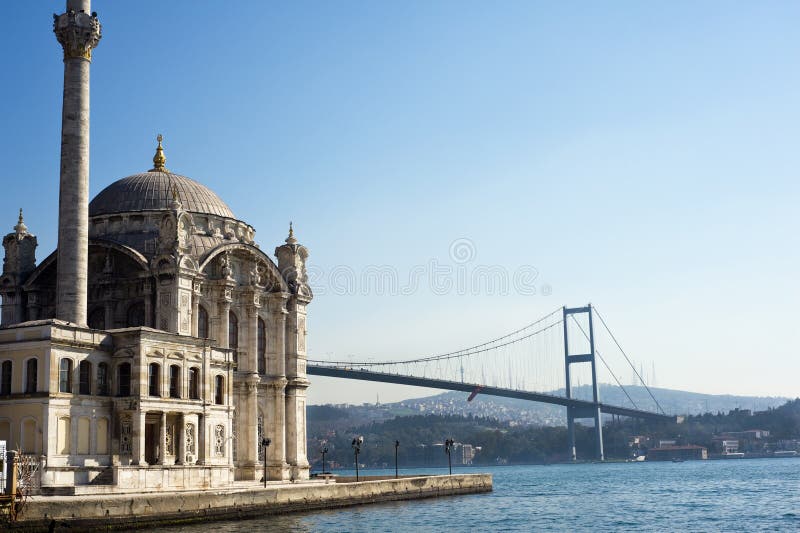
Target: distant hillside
(531,413)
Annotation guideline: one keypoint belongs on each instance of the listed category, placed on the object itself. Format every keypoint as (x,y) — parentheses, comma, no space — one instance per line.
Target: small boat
(677,460)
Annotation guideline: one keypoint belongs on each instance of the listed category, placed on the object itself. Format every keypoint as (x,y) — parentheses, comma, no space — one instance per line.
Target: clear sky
(639,155)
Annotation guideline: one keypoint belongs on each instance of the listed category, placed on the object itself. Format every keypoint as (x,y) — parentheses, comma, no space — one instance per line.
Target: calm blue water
(734,495)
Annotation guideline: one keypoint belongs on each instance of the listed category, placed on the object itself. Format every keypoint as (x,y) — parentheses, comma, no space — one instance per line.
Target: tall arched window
(136,315)
(219,390)
(174,381)
(85,377)
(5,378)
(97,318)
(262,347)
(202,322)
(233,335)
(102,379)
(124,379)
(65,375)
(194,384)
(154,379)
(31,375)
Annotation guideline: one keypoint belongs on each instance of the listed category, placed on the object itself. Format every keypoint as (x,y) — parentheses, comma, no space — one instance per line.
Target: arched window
(194,384)
(85,377)
(136,315)
(5,378)
(65,375)
(102,379)
(174,381)
(202,322)
(154,378)
(97,318)
(233,335)
(262,347)
(219,390)
(31,375)
(124,380)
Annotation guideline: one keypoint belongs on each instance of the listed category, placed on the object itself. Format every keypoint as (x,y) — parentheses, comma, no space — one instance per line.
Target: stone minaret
(78,31)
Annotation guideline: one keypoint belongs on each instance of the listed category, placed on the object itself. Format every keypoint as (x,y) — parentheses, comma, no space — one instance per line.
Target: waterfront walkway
(139,510)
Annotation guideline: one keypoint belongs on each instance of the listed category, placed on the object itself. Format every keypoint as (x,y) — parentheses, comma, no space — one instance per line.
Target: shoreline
(142,510)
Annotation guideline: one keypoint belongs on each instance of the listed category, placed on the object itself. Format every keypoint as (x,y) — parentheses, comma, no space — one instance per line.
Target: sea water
(731,495)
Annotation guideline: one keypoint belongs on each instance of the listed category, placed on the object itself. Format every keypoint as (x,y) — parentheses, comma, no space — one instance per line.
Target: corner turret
(292,265)
(18,263)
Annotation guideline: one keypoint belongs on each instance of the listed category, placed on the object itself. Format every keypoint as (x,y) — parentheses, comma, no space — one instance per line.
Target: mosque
(159,348)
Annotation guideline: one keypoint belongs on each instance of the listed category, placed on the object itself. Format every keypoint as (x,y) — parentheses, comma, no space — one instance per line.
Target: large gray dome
(153,191)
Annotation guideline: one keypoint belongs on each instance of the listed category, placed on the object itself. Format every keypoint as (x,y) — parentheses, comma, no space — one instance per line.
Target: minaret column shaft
(78,32)
(73,202)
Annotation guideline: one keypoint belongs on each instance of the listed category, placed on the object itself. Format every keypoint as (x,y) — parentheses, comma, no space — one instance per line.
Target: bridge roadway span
(583,408)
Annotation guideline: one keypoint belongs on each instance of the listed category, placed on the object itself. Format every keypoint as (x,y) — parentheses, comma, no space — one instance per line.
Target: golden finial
(291,239)
(159,159)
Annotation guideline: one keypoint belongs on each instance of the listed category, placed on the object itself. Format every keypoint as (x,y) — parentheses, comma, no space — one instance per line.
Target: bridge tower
(574,413)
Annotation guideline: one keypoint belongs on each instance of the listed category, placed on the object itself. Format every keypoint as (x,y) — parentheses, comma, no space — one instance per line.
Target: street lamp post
(265,443)
(324,451)
(396,446)
(357,442)
(448,446)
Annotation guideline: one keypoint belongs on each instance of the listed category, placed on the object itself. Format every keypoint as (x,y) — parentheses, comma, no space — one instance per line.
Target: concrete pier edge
(137,511)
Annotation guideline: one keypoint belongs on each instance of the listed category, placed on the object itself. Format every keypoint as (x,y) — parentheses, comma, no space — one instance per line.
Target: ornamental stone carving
(190,439)
(219,440)
(125,435)
(78,33)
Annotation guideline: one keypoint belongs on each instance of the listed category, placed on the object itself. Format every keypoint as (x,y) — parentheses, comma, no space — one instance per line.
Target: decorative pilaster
(79,32)
(196,293)
(292,264)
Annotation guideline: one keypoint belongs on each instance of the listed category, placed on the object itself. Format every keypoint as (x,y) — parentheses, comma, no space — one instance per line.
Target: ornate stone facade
(158,343)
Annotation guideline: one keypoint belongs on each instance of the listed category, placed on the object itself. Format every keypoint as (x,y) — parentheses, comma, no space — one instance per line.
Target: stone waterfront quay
(139,510)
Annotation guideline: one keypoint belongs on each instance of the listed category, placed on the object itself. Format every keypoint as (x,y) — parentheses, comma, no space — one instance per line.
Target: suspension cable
(453,355)
(472,350)
(629,361)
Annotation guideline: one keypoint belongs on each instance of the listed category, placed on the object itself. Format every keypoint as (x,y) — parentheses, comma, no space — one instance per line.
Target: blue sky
(639,155)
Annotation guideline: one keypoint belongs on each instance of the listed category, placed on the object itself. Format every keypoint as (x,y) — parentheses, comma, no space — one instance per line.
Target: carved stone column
(79,32)
(139,422)
(180,440)
(248,428)
(275,397)
(162,438)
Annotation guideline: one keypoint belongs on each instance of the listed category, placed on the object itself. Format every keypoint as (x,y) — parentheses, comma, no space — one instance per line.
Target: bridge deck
(581,406)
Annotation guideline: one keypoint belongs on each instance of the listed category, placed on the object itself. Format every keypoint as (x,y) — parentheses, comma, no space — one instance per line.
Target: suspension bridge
(540,362)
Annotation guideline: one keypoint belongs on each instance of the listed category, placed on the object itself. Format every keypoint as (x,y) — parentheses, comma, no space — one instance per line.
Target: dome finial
(290,239)
(159,159)
(20,228)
